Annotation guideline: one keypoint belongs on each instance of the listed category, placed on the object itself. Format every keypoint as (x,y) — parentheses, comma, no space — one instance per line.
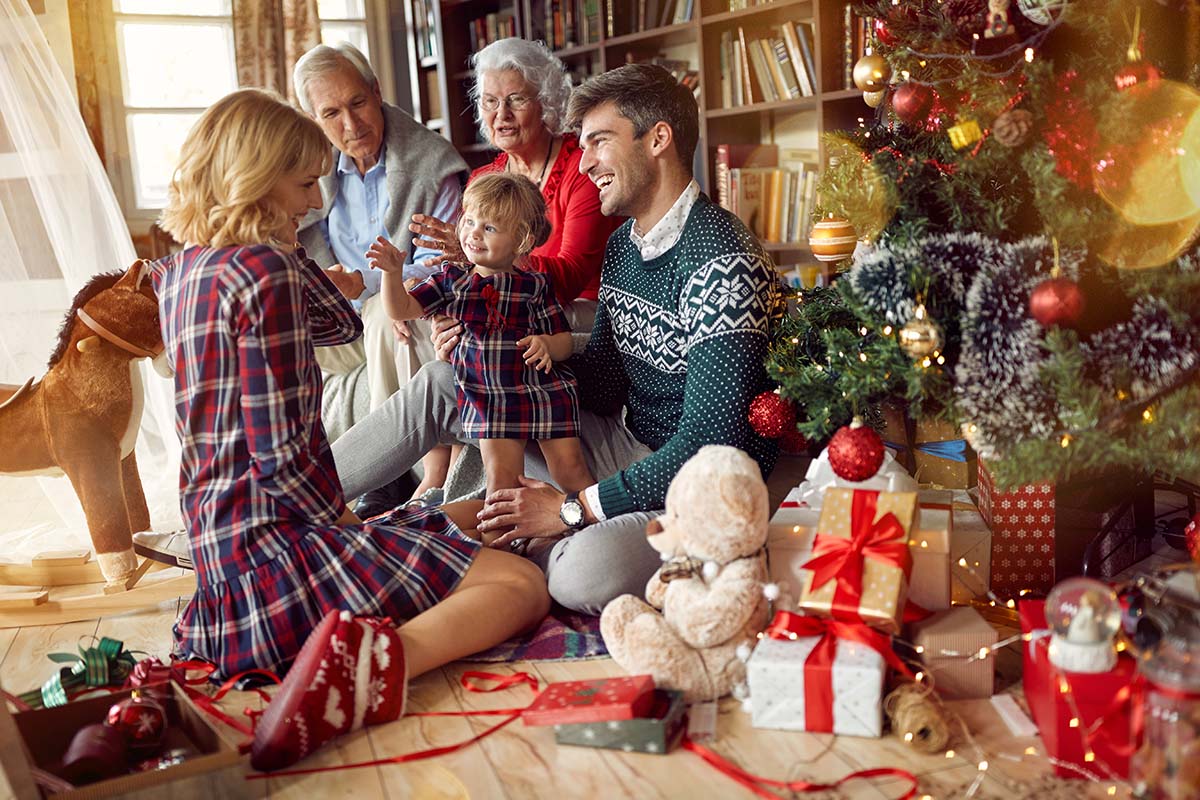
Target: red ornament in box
(1022,526)
(591,701)
(855,451)
(1057,301)
(141,719)
(1102,703)
(771,416)
(912,103)
(1191,535)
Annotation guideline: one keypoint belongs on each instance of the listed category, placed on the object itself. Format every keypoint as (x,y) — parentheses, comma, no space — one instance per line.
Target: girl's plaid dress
(258,489)
(499,396)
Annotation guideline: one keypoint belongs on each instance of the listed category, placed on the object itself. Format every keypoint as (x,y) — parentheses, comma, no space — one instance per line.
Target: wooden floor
(520,762)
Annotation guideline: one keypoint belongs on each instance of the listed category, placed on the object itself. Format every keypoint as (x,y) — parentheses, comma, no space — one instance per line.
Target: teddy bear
(707,600)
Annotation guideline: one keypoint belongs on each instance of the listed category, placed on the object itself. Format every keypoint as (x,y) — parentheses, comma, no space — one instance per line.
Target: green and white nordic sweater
(681,340)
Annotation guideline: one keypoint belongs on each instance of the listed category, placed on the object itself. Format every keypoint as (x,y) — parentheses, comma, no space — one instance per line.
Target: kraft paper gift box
(929,586)
(959,630)
(657,732)
(897,433)
(942,457)
(778,673)
(970,552)
(590,701)
(867,583)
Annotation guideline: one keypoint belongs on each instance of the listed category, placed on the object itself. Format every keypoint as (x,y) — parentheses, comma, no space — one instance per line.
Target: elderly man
(687,300)
(387,167)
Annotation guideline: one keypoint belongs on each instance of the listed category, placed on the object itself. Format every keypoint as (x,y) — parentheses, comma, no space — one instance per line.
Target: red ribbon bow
(491,298)
(833,557)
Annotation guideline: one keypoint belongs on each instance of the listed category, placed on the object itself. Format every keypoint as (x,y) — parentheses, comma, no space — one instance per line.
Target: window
(344,21)
(175,60)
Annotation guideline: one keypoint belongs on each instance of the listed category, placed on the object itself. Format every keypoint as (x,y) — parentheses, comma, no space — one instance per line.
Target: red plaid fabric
(258,488)
(499,396)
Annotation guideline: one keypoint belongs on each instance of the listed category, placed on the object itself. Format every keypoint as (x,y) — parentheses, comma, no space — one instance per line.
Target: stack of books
(770,188)
(775,65)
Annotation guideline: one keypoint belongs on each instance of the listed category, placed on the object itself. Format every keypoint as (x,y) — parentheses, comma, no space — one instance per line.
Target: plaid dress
(499,395)
(258,488)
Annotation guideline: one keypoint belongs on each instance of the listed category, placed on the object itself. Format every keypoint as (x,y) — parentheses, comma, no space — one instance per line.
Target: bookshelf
(591,36)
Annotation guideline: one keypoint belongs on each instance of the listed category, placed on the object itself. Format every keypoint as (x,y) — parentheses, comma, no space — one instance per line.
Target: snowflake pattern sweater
(681,340)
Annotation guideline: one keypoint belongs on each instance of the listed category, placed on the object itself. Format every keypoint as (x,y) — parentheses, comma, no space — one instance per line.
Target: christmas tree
(1028,198)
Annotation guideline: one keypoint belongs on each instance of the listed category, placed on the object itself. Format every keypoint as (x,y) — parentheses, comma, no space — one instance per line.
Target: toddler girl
(508,387)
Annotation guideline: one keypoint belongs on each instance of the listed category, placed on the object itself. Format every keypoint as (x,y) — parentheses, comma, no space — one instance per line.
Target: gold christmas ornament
(1011,128)
(832,239)
(965,133)
(871,73)
(874,99)
(920,337)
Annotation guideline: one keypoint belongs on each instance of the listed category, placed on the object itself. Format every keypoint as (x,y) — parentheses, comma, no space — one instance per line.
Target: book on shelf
(770,188)
(800,56)
(856,39)
(804,34)
(484,30)
(782,71)
(589,22)
(747,87)
(762,78)
(736,156)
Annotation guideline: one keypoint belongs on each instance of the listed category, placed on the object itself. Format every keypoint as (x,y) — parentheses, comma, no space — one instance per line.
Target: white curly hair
(539,67)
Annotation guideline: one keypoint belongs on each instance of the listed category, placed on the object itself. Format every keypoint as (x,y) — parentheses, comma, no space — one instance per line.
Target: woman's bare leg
(568,467)
(500,596)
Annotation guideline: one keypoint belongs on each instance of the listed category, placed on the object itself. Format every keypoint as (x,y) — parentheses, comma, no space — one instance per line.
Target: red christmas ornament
(855,451)
(1057,301)
(1138,72)
(1191,535)
(912,103)
(882,35)
(771,415)
(793,443)
(141,719)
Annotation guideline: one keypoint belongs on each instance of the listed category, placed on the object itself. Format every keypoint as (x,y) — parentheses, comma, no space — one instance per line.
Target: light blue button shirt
(356,219)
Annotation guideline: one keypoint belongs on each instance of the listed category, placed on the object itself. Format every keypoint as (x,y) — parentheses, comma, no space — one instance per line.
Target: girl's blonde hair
(232,158)
(513,200)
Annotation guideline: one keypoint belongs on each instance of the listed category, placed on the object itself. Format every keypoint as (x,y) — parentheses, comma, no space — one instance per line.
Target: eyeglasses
(515,102)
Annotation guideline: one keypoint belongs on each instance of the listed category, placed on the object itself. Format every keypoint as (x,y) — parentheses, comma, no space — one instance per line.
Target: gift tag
(702,721)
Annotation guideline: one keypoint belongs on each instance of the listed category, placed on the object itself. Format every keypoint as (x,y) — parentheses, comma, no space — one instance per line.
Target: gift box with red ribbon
(1084,719)
(819,675)
(591,701)
(860,563)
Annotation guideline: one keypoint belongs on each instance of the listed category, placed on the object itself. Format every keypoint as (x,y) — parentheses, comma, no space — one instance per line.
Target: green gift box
(657,732)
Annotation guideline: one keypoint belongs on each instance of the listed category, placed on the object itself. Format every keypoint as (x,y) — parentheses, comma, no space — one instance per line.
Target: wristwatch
(571,512)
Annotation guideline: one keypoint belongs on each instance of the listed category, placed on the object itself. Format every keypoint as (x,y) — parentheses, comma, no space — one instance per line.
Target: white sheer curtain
(60,224)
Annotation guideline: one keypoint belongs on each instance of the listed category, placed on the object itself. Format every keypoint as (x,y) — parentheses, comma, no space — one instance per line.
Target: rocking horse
(81,419)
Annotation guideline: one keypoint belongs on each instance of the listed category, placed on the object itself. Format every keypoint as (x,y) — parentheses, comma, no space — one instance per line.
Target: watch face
(572,512)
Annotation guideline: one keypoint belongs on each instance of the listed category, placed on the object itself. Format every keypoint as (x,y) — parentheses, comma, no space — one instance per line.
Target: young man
(687,299)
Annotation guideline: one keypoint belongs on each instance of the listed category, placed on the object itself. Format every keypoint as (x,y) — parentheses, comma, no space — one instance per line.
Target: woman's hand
(528,512)
(537,352)
(434,234)
(444,335)
(385,257)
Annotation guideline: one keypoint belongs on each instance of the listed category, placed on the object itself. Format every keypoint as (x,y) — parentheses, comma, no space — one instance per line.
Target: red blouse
(575,250)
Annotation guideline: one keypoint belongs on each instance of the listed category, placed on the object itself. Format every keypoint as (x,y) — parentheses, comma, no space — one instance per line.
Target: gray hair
(326,58)
(539,67)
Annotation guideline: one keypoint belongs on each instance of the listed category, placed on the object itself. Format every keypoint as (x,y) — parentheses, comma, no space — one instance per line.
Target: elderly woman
(521,92)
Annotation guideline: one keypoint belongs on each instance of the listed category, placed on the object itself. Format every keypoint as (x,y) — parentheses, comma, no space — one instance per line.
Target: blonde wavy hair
(511,200)
(232,158)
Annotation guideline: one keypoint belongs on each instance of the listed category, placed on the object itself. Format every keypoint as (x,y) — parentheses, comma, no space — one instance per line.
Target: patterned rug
(562,636)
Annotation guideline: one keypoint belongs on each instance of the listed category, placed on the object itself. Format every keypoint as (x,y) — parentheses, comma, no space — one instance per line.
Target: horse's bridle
(113,339)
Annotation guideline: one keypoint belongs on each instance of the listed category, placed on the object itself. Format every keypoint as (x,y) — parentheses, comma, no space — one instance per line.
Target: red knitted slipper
(350,672)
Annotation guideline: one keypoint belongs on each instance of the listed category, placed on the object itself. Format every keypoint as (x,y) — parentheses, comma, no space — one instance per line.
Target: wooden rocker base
(146,593)
(63,568)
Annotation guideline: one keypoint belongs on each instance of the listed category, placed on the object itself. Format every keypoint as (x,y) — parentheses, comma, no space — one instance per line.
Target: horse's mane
(95,286)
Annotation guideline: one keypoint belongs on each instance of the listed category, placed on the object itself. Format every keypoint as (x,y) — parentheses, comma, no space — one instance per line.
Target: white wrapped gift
(777,672)
(890,477)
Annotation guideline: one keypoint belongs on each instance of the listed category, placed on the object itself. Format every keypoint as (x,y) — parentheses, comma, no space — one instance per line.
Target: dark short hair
(645,94)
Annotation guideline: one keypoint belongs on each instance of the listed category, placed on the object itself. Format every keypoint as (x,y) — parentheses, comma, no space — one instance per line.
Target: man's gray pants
(583,571)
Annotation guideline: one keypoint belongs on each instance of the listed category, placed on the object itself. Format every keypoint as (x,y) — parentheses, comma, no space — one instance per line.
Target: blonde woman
(277,553)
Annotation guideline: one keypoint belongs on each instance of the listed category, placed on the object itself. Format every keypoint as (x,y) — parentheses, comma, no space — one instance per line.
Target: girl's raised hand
(537,354)
(384,256)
